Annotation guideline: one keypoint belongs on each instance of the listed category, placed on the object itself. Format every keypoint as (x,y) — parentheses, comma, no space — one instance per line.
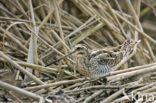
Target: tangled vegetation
(34,33)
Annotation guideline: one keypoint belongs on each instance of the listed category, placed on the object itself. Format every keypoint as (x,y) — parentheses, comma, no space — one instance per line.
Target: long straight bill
(60,58)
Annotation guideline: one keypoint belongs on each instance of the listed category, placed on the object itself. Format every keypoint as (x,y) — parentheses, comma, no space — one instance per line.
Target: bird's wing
(104,63)
(105,59)
(105,50)
(94,53)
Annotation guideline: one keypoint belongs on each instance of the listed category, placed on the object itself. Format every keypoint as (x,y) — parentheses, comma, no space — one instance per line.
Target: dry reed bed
(36,32)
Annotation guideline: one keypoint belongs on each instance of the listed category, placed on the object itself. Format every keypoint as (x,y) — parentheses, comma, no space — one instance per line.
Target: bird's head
(80,50)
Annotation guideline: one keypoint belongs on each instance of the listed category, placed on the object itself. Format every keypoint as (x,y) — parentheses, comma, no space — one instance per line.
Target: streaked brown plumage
(97,63)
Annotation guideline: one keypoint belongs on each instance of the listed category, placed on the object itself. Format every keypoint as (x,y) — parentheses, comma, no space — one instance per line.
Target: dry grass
(35,32)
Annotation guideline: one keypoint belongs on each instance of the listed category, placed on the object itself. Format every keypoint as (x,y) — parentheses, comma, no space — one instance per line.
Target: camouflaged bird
(98,63)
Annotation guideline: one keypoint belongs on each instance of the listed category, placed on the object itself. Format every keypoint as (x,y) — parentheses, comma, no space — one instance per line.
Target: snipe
(97,63)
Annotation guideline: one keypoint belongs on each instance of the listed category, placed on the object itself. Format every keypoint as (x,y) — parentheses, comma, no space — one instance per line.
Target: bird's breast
(82,65)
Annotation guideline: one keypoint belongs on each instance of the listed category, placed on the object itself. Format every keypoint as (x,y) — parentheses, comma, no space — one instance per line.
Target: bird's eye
(78,48)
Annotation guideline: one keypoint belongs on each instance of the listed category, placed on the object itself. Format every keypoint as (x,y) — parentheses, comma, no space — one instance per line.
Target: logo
(138,96)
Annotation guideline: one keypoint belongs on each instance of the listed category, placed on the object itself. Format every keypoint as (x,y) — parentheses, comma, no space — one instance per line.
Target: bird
(98,63)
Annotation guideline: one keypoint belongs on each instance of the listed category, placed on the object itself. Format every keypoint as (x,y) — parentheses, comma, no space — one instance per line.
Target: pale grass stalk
(94,95)
(132,69)
(49,44)
(32,54)
(87,33)
(12,38)
(115,18)
(43,69)
(49,15)
(62,41)
(31,76)
(130,74)
(55,84)
(136,19)
(19,90)
(113,96)
(144,88)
